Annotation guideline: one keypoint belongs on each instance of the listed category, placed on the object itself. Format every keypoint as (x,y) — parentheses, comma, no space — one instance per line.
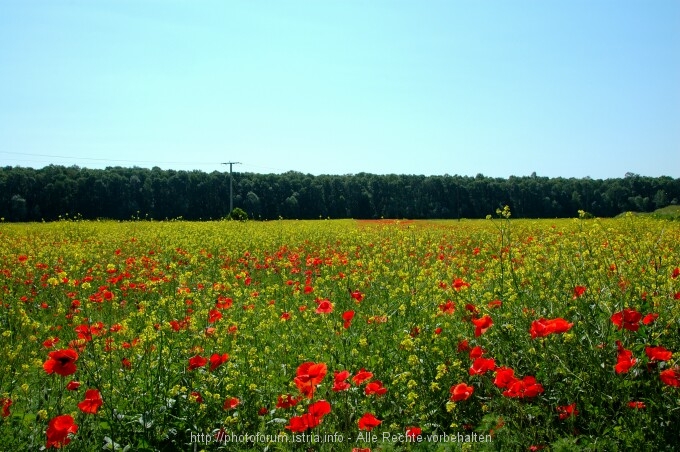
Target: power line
(231,185)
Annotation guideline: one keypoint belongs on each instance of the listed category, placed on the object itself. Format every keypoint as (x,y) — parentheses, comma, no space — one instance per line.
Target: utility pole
(231,185)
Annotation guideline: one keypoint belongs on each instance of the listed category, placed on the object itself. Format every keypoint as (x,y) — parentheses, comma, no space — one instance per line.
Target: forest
(119,193)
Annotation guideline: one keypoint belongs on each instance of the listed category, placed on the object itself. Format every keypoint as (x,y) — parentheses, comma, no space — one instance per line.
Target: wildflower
(73,385)
(637,405)
(482,365)
(413,432)
(458,284)
(93,400)
(6,403)
(286,401)
(214,315)
(671,377)
(526,387)
(567,411)
(347,317)
(375,387)
(357,296)
(368,422)
(447,308)
(230,403)
(578,292)
(658,353)
(339,383)
(309,375)
(217,360)
(627,319)
(504,377)
(61,362)
(543,327)
(197,362)
(624,360)
(460,392)
(481,325)
(362,376)
(59,431)
(325,307)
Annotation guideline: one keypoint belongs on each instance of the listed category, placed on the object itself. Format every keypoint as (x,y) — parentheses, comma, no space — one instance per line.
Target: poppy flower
(319,409)
(214,315)
(567,411)
(482,365)
(309,375)
(339,383)
(73,385)
(93,400)
(476,352)
(368,422)
(458,284)
(671,377)
(347,317)
(481,325)
(61,362)
(216,360)
(362,376)
(658,353)
(6,403)
(578,292)
(624,359)
(297,424)
(650,318)
(357,296)
(375,387)
(230,403)
(197,362)
(286,401)
(463,346)
(505,376)
(325,307)
(676,273)
(628,319)
(460,392)
(413,432)
(526,387)
(543,327)
(58,431)
(637,405)
(447,308)
(196,397)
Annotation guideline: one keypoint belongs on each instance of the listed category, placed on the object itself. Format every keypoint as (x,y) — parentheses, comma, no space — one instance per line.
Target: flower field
(495,334)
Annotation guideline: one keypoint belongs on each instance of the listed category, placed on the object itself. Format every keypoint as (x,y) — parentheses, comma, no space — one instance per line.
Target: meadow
(496,334)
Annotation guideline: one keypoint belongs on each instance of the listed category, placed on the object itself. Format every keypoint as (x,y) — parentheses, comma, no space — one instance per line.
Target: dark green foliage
(52,192)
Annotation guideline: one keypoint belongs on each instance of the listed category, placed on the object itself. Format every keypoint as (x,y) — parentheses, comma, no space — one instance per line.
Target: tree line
(53,192)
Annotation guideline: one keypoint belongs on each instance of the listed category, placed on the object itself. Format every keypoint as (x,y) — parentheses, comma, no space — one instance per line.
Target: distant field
(494,334)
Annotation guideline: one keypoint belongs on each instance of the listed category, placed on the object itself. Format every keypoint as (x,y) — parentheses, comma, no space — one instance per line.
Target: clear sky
(568,88)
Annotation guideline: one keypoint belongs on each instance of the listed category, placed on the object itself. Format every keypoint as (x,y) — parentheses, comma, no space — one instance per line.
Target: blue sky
(569,88)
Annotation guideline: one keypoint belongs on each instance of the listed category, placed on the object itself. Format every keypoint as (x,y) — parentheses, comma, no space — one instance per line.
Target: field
(495,334)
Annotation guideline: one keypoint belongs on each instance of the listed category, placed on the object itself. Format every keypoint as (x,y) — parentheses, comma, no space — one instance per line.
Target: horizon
(566,89)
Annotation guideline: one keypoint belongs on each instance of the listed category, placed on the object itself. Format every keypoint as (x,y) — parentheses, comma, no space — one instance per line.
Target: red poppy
(297,424)
(628,319)
(61,362)
(543,327)
(93,400)
(6,403)
(567,411)
(59,431)
(73,385)
(339,383)
(49,343)
(526,387)
(319,409)
(460,392)
(413,432)
(578,292)
(362,376)
(463,346)
(624,359)
(230,403)
(676,273)
(658,353)
(368,422)
(216,360)
(447,308)
(214,315)
(650,318)
(476,352)
(285,316)
(482,365)
(286,401)
(358,296)
(325,307)
(458,284)
(505,376)
(671,377)
(637,405)
(375,387)
(196,396)
(495,304)
(197,362)
(347,317)
(481,325)
(309,375)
